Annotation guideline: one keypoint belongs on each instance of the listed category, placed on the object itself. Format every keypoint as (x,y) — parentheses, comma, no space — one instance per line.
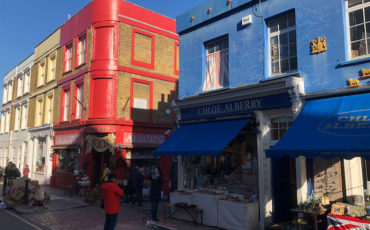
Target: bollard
(25,197)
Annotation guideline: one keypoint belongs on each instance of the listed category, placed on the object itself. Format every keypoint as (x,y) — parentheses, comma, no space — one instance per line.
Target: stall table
(235,215)
(313,214)
(209,204)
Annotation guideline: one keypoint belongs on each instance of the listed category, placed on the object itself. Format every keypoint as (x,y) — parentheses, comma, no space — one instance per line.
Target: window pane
(357,33)
(291,20)
(292,37)
(225,44)
(352,3)
(210,49)
(284,39)
(367,14)
(284,52)
(275,134)
(275,53)
(218,46)
(275,67)
(356,17)
(358,48)
(284,65)
(368,30)
(282,132)
(282,23)
(275,125)
(273,27)
(368,46)
(293,63)
(274,42)
(292,50)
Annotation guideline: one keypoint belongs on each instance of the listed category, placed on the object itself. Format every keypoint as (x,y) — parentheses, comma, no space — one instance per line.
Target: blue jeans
(110,221)
(154,209)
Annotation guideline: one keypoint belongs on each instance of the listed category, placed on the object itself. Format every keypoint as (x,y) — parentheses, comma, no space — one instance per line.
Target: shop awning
(201,139)
(330,127)
(64,147)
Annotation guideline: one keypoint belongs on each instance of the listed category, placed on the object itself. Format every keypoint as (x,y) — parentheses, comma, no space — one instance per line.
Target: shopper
(155,191)
(13,172)
(111,195)
(138,185)
(26,170)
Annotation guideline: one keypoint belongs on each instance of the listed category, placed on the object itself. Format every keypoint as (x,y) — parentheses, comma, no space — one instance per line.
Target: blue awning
(331,127)
(201,139)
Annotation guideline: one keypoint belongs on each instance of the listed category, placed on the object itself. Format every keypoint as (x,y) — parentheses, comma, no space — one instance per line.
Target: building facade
(235,55)
(119,76)
(14,133)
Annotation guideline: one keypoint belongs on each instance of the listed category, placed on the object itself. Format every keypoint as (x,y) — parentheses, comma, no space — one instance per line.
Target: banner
(100,144)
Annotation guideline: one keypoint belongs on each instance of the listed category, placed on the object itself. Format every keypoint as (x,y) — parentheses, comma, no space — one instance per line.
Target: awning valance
(330,127)
(201,139)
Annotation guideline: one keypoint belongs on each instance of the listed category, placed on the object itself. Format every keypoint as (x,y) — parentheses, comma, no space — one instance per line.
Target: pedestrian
(13,172)
(6,177)
(111,196)
(138,185)
(26,170)
(129,187)
(155,191)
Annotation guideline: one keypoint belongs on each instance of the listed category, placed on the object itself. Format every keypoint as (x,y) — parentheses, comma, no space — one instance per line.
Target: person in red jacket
(111,195)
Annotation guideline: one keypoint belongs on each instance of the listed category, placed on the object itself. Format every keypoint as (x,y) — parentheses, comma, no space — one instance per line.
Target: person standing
(26,170)
(138,184)
(6,177)
(155,191)
(111,196)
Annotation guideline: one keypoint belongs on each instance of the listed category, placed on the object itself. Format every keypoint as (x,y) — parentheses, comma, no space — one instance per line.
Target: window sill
(80,65)
(39,86)
(67,71)
(353,62)
(48,81)
(40,173)
(281,76)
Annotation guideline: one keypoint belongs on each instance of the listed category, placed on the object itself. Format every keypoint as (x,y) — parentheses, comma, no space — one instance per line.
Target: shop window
(26,82)
(41,74)
(68,58)
(366,178)
(68,160)
(19,86)
(51,68)
(279,126)
(81,50)
(217,64)
(282,45)
(358,22)
(49,109)
(17,119)
(65,105)
(79,94)
(24,116)
(41,150)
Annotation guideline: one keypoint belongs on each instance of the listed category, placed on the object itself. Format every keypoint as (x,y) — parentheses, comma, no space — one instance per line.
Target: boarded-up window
(141,102)
(328,178)
(143,48)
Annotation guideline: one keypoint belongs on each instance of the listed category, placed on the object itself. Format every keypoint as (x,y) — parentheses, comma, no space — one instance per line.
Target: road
(10,221)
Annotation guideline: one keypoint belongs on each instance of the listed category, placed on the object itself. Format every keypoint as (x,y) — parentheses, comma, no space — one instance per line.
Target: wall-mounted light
(168,111)
(209,11)
(192,19)
(228,2)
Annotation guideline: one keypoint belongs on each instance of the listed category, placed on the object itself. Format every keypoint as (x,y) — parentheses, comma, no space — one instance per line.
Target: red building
(119,77)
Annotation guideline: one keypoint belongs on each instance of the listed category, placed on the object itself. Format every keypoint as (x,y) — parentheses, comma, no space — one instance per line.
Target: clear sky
(26,23)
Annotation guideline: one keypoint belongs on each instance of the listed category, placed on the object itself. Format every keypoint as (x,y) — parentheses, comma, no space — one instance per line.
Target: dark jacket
(138,180)
(155,188)
(111,195)
(13,172)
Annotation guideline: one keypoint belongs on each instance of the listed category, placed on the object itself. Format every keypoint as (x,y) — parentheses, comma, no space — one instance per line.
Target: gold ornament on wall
(365,73)
(318,45)
(352,83)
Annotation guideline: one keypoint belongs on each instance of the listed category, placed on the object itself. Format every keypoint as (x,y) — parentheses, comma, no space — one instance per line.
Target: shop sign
(142,139)
(67,139)
(237,107)
(352,123)
(100,144)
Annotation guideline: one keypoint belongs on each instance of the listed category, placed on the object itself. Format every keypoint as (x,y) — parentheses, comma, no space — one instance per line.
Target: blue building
(247,68)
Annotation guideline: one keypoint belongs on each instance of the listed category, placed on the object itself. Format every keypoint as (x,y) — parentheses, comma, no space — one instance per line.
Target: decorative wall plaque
(318,45)
(352,83)
(365,73)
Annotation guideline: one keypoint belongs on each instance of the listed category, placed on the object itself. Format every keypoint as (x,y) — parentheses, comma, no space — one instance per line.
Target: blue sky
(25,23)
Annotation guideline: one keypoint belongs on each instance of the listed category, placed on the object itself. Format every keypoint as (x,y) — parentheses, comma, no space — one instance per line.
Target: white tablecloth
(237,216)
(208,203)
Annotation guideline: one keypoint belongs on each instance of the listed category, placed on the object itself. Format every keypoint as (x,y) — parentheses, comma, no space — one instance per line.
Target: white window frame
(3,119)
(81,50)
(51,67)
(7,121)
(5,94)
(10,91)
(277,33)
(20,85)
(49,104)
(287,119)
(17,118)
(66,103)
(41,73)
(24,116)
(26,88)
(349,42)
(68,58)
(39,111)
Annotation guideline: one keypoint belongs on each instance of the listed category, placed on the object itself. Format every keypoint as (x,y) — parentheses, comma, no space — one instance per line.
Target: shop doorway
(284,186)
(98,161)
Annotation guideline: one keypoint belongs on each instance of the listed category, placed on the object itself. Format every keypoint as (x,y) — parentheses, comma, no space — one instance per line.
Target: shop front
(41,157)
(220,144)
(330,141)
